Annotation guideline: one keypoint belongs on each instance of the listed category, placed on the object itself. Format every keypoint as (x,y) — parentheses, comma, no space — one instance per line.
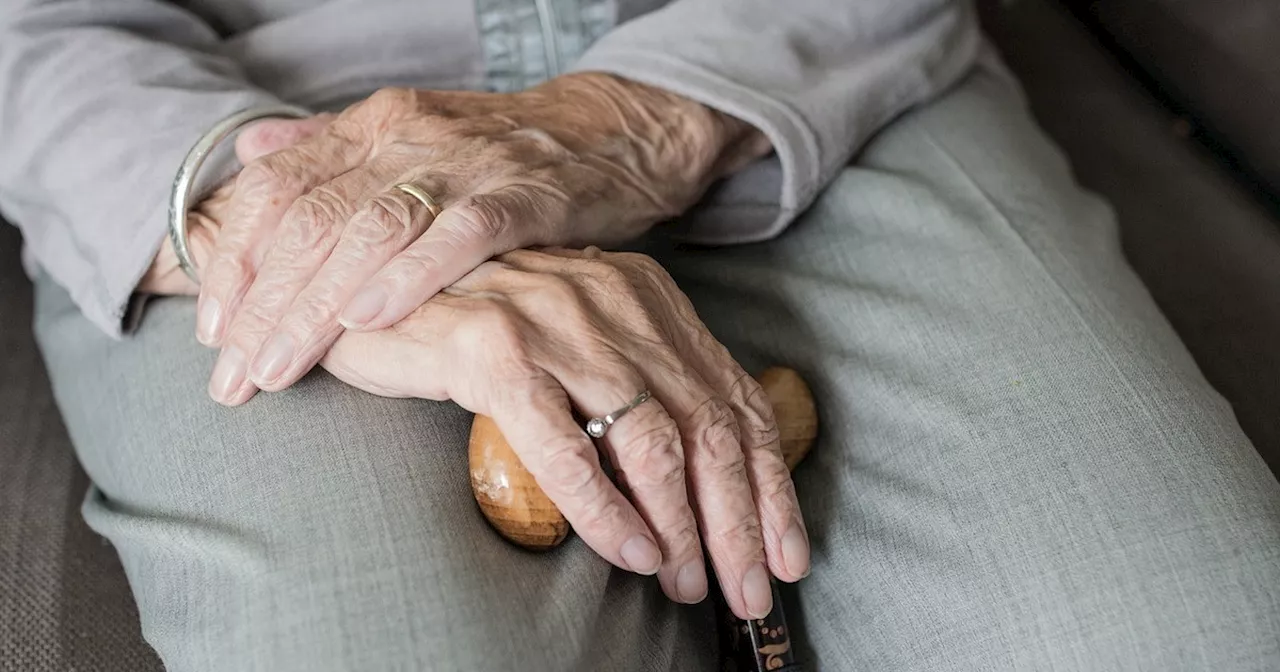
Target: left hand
(320,234)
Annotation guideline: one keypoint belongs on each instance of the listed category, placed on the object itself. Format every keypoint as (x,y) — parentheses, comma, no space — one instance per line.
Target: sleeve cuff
(114,305)
(758,202)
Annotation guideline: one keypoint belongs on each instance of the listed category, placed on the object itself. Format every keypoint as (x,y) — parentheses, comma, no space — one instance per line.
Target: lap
(322,528)
(1020,465)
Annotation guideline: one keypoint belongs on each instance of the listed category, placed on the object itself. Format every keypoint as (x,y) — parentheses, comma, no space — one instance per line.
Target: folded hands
(312,257)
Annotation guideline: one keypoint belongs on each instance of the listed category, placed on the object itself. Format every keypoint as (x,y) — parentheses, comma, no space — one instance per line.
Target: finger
(307,234)
(539,424)
(387,222)
(644,446)
(376,362)
(272,135)
(648,458)
(718,468)
(721,493)
(461,238)
(706,429)
(264,191)
(785,537)
(715,465)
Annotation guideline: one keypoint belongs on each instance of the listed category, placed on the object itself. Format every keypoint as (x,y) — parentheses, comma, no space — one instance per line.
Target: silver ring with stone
(596,427)
(184,181)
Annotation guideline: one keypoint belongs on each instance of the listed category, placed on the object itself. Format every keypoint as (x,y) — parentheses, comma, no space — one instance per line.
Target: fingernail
(691,583)
(363,307)
(795,551)
(756,592)
(228,375)
(273,359)
(209,321)
(641,555)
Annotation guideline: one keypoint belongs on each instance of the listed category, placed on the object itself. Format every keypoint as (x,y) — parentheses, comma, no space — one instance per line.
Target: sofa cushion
(1218,59)
(64,601)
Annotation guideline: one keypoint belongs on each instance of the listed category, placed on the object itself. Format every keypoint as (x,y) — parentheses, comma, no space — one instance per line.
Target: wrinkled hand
(531,336)
(165,276)
(317,232)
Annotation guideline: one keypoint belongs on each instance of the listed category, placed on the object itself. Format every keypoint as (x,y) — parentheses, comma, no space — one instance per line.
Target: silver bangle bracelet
(184,181)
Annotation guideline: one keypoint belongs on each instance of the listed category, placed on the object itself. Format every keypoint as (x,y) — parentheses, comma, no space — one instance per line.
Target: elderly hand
(319,233)
(533,335)
(530,337)
(205,221)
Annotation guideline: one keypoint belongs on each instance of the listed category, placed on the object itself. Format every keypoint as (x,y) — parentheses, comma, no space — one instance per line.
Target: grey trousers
(1020,465)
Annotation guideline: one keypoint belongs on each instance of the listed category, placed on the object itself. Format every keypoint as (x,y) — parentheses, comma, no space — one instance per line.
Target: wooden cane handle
(518,509)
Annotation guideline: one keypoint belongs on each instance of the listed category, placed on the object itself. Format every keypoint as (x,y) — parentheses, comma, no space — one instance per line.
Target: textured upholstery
(1207,249)
(64,603)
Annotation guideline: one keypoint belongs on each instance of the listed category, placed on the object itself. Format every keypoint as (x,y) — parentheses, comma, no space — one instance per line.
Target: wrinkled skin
(530,336)
(319,239)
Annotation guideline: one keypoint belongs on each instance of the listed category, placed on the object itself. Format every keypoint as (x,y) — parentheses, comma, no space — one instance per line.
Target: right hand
(530,337)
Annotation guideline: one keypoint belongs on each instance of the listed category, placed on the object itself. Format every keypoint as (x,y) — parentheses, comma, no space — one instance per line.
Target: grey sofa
(1145,97)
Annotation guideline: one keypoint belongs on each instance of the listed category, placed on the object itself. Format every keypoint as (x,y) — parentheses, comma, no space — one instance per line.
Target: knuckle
(311,219)
(637,260)
(416,264)
(572,469)
(775,485)
(228,272)
(265,174)
(557,294)
(644,267)
(492,151)
(382,220)
(717,429)
(654,457)
(313,313)
(761,436)
(536,140)
(481,217)
(604,512)
(607,274)
(750,399)
(744,533)
(253,320)
(493,331)
(603,278)
(681,535)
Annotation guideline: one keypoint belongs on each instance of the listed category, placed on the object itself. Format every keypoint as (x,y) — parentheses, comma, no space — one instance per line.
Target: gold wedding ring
(422,196)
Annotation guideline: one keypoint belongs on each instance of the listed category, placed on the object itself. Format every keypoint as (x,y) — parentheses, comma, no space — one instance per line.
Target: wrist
(165,275)
(681,145)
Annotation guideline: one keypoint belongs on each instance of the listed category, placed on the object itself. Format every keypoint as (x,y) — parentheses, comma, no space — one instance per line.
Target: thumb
(272,135)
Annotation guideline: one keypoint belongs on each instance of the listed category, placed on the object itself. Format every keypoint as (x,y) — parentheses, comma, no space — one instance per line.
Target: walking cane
(519,510)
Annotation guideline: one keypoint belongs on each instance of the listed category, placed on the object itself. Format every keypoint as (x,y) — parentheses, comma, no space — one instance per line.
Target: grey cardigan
(100,99)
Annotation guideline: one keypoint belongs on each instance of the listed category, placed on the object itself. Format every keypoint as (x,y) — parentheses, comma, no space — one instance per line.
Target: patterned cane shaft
(760,645)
